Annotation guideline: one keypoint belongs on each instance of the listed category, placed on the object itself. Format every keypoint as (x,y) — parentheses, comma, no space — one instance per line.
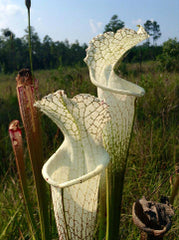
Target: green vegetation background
(153,151)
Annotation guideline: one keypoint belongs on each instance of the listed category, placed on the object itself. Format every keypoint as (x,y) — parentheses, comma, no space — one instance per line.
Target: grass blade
(9,223)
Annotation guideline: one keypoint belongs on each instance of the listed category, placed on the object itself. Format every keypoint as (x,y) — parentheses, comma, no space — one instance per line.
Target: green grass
(153,151)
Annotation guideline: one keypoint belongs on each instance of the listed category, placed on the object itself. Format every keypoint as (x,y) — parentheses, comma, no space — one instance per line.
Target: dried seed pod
(152,217)
(28,4)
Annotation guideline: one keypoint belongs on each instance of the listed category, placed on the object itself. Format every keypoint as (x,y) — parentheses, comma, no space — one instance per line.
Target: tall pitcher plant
(31,122)
(103,57)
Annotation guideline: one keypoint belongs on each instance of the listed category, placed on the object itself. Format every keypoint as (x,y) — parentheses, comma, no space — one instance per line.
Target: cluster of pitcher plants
(86,173)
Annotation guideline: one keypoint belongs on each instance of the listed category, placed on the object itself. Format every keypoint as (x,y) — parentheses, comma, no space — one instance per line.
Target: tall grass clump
(151,169)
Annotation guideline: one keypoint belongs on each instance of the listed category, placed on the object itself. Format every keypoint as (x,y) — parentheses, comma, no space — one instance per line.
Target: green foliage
(169,59)
(143,53)
(152,153)
(114,24)
(8,107)
(153,29)
(153,148)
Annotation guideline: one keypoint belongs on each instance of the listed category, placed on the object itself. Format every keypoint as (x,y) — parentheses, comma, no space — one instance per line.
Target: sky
(84,19)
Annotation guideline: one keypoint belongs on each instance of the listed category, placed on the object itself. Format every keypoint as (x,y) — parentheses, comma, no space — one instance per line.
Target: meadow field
(153,155)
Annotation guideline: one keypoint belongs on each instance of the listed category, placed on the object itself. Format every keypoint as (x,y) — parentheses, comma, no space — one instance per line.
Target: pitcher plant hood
(104,55)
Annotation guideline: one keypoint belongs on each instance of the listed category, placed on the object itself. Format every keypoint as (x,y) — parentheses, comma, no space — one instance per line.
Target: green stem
(114,189)
(102,207)
(30,46)
(107,204)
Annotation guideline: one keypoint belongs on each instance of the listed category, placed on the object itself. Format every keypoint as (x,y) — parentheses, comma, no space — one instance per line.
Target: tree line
(47,54)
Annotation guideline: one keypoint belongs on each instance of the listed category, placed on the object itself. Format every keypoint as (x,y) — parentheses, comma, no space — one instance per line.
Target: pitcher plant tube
(15,134)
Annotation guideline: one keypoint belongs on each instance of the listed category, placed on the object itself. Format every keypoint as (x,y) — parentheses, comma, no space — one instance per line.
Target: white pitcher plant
(103,57)
(74,170)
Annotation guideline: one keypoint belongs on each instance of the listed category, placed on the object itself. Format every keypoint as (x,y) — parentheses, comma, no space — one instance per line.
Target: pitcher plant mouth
(69,183)
(104,54)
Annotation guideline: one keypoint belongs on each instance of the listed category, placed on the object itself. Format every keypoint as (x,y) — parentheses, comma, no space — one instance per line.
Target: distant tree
(7,60)
(114,24)
(156,31)
(46,54)
(8,34)
(148,26)
(148,29)
(77,53)
(169,59)
(47,40)
(153,29)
